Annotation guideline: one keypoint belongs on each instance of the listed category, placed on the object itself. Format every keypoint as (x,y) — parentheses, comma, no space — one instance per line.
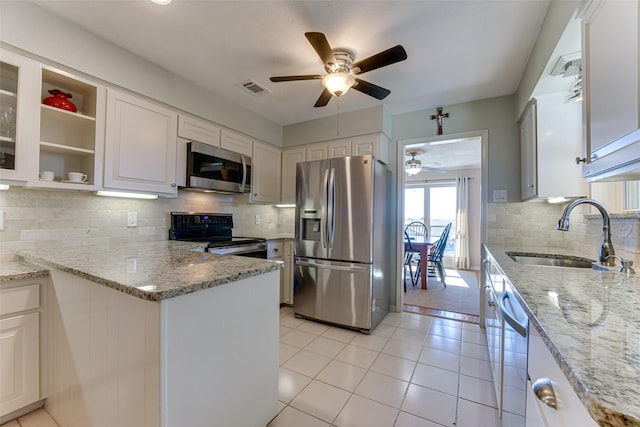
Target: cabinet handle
(173,185)
(543,389)
(581,160)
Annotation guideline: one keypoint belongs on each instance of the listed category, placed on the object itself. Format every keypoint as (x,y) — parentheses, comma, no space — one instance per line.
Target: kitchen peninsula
(156,334)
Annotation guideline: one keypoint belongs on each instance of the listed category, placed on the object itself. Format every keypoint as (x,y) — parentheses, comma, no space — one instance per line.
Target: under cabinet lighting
(126,195)
(557,199)
(284,205)
(4,186)
(161,2)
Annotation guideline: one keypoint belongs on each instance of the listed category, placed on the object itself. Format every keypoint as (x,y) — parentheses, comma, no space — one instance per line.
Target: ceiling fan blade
(382,59)
(294,78)
(325,96)
(371,89)
(430,169)
(321,46)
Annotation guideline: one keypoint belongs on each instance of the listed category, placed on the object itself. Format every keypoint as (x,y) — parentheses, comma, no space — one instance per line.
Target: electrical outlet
(499,196)
(132,219)
(257,219)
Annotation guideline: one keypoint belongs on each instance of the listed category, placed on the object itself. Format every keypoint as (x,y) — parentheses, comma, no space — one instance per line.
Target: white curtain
(461,258)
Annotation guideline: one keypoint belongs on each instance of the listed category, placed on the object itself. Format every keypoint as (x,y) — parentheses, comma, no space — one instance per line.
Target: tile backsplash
(533,224)
(58,219)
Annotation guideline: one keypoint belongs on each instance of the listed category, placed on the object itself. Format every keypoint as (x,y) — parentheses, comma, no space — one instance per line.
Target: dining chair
(408,261)
(415,229)
(437,255)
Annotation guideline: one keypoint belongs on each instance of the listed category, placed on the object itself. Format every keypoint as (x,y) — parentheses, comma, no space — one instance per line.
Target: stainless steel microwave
(212,168)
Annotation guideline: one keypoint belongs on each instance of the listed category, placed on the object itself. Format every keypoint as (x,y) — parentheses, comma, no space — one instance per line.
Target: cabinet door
(140,148)
(611,88)
(20,362)
(18,117)
(376,145)
(235,142)
(286,279)
(265,163)
(339,148)
(528,159)
(317,151)
(194,129)
(290,158)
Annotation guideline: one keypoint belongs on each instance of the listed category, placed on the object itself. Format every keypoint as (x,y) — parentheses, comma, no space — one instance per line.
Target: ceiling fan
(342,71)
(414,166)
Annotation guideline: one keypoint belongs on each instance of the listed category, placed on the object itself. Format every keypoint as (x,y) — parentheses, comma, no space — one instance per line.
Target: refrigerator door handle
(331,209)
(310,263)
(324,199)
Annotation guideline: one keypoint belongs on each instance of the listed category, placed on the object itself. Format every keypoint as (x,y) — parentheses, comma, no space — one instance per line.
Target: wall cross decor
(439,118)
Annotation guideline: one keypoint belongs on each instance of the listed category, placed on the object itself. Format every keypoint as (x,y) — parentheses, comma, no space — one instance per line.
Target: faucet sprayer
(607,252)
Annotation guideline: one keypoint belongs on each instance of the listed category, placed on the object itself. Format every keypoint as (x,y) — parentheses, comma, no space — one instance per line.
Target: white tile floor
(412,371)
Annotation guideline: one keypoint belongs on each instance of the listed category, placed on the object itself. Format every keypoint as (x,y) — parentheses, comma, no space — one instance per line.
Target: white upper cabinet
(70,141)
(375,144)
(317,151)
(339,148)
(551,139)
(290,157)
(236,142)
(18,106)
(195,129)
(265,170)
(140,148)
(610,43)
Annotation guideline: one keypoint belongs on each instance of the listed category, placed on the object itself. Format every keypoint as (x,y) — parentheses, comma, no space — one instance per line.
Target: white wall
(33,29)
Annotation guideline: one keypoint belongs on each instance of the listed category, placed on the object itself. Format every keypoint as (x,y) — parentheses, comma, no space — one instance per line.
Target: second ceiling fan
(341,70)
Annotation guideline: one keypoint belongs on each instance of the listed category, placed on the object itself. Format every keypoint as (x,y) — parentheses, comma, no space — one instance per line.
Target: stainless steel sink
(551,260)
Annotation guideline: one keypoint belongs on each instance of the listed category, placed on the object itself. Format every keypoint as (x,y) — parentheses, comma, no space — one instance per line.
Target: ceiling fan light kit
(342,71)
(413,166)
(338,83)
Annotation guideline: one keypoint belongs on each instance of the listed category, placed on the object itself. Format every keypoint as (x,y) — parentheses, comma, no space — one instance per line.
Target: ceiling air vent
(254,87)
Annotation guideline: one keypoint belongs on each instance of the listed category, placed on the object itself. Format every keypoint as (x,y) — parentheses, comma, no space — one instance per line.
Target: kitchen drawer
(20,298)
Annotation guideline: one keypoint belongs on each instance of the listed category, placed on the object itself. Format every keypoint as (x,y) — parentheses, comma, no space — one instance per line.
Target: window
(433,203)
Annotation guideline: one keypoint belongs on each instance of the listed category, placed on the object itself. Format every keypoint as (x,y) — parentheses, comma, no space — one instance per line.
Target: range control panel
(194,221)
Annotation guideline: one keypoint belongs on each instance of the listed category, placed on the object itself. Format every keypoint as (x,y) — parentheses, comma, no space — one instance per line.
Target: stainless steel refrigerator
(341,241)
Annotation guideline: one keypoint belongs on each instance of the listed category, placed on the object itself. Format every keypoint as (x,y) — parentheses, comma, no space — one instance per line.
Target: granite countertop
(152,270)
(597,341)
(18,270)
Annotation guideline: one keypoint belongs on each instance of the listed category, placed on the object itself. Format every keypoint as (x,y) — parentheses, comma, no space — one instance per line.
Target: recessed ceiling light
(162,2)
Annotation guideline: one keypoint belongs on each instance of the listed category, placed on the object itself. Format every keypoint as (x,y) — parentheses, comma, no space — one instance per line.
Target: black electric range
(215,229)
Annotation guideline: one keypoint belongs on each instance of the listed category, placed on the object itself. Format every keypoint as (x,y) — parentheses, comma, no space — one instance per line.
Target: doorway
(430,196)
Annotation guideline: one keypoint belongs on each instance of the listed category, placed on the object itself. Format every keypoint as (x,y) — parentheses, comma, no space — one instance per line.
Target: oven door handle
(508,317)
(236,250)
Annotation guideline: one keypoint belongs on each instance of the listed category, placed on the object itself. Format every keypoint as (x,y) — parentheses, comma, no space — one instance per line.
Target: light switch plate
(132,219)
(499,196)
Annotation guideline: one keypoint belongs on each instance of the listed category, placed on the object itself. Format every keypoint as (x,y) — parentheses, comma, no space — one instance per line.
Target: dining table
(422,244)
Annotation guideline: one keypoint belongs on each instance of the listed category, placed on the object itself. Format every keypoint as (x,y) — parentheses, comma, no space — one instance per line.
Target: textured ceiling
(458,50)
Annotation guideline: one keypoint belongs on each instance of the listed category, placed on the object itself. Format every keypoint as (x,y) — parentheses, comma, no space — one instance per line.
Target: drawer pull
(543,389)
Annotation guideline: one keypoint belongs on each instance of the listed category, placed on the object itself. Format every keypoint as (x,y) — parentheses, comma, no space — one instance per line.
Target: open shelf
(63,149)
(65,115)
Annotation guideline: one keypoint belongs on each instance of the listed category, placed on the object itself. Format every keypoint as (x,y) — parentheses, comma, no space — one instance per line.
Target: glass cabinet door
(18,79)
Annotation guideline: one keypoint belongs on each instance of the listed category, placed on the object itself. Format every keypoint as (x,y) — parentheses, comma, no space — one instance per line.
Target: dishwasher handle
(508,317)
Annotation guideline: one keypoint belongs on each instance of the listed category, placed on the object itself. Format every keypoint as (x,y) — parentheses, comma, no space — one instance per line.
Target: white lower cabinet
(286,279)
(19,347)
(570,412)
(140,147)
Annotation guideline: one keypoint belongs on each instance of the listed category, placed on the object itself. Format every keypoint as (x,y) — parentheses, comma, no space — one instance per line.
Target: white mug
(77,176)
(46,176)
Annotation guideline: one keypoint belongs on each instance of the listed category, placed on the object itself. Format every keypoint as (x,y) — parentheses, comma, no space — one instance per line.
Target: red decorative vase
(60,100)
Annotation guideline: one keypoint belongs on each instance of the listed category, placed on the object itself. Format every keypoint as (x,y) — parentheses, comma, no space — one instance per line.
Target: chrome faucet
(607,252)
